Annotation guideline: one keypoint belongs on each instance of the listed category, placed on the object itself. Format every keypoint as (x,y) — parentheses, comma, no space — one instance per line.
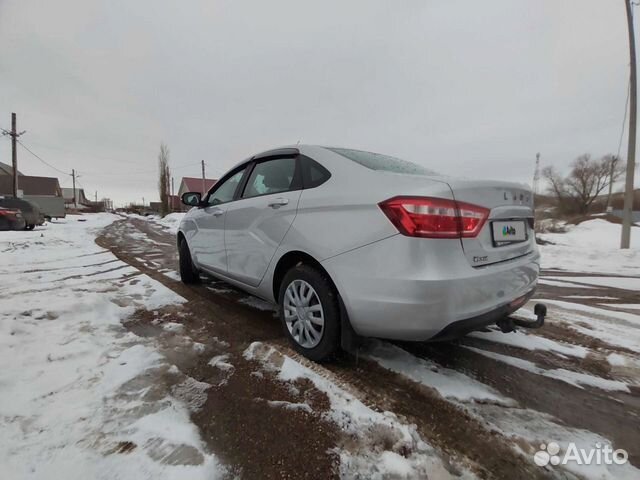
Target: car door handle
(278,202)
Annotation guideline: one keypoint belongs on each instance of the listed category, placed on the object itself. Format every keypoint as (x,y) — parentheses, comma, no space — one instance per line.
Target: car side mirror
(192,199)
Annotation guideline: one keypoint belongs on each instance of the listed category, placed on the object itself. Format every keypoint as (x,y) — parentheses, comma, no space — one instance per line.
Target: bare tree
(163,179)
(587,179)
(612,170)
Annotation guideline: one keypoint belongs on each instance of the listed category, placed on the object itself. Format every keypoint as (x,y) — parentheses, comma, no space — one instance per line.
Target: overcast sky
(465,87)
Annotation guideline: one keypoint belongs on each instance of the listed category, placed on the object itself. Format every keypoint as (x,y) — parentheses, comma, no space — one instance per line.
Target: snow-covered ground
(170,222)
(83,397)
(593,247)
(80,397)
(406,454)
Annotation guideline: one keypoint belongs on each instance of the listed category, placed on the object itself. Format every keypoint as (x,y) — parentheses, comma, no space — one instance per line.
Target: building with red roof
(192,184)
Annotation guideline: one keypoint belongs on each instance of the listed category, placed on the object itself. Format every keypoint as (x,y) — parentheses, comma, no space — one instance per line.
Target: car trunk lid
(508,232)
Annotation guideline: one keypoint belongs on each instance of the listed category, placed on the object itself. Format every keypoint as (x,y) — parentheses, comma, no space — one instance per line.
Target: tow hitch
(508,324)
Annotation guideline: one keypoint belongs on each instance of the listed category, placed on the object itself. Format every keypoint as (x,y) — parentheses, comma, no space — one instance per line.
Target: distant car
(11,219)
(350,241)
(30,211)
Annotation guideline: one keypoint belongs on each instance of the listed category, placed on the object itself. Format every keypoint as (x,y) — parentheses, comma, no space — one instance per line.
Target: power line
(182,165)
(140,172)
(624,120)
(40,158)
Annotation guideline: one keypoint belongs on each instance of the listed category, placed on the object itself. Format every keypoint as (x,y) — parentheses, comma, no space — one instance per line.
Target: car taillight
(434,217)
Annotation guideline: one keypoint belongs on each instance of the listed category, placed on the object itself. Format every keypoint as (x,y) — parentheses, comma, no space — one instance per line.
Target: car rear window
(377,161)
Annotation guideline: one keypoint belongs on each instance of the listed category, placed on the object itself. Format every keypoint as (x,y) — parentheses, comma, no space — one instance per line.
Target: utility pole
(75,198)
(172,196)
(14,152)
(171,203)
(96,197)
(14,155)
(203,177)
(631,149)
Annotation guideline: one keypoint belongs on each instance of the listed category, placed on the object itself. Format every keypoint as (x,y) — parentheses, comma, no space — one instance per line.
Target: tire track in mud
(252,439)
(448,427)
(457,433)
(614,415)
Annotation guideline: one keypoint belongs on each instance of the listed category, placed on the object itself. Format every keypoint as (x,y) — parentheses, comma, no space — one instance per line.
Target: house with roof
(43,191)
(77,200)
(7,169)
(190,184)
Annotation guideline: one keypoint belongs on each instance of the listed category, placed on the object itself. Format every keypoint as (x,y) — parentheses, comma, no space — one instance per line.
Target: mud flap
(350,341)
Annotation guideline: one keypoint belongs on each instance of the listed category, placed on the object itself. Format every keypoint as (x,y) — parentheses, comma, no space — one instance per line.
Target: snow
(290,405)
(592,246)
(532,342)
(589,297)
(537,428)
(74,382)
(625,283)
(558,283)
(127,365)
(170,222)
(617,360)
(221,362)
(576,379)
(172,274)
(609,330)
(383,434)
(449,383)
(173,327)
(595,311)
(628,306)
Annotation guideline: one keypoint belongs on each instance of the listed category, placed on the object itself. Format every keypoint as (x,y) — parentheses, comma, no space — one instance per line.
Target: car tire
(29,227)
(304,337)
(188,272)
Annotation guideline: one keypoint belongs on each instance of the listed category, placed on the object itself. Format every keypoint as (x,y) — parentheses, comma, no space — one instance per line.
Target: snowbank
(593,247)
(171,222)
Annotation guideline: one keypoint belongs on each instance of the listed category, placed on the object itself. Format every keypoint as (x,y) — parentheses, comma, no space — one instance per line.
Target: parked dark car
(11,219)
(30,211)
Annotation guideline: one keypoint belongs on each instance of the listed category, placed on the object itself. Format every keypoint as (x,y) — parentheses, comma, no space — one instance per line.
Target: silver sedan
(351,243)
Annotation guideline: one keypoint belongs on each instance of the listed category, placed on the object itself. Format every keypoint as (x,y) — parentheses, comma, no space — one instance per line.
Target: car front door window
(225,192)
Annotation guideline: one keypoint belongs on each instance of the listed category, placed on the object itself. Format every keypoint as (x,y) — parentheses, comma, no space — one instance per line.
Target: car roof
(18,201)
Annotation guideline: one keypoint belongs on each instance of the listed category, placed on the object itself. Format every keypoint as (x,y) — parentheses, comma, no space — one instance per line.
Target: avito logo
(508,230)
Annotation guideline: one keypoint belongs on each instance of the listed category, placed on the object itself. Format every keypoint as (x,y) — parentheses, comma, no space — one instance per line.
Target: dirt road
(560,383)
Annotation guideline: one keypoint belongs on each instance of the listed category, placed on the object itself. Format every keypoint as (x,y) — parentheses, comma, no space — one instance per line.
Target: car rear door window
(272,176)
(314,173)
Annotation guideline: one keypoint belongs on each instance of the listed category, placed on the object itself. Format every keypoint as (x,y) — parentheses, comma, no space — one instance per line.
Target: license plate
(509,231)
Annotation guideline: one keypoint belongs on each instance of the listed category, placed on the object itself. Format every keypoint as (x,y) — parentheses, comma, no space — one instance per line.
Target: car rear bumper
(462,327)
(415,289)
